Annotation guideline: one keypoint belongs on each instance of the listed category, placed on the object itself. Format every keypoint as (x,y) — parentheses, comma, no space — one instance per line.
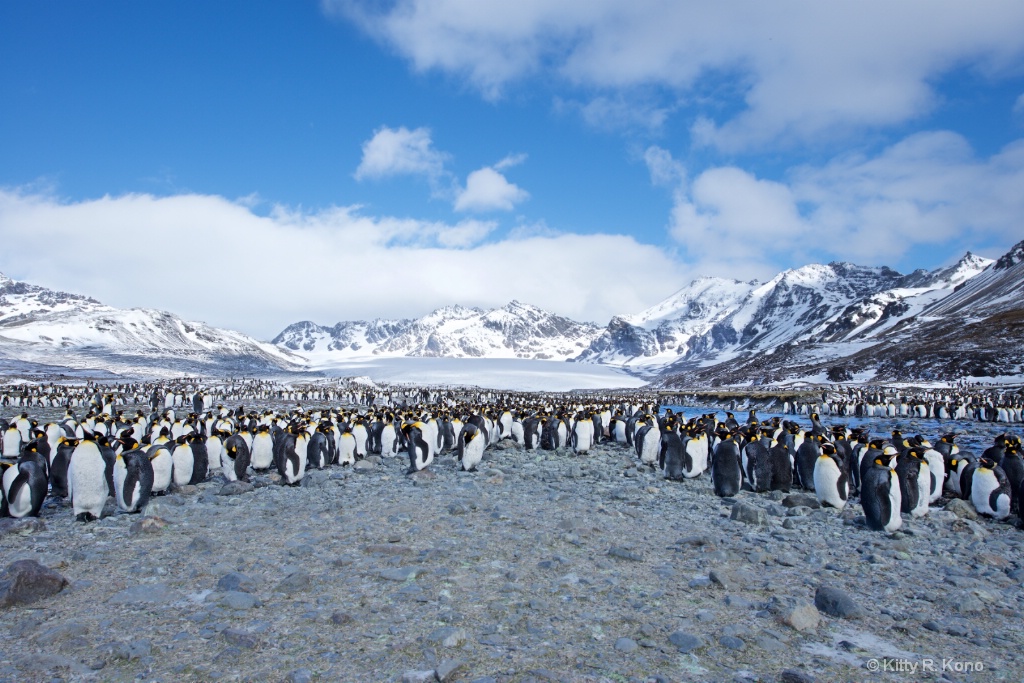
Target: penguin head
(986,464)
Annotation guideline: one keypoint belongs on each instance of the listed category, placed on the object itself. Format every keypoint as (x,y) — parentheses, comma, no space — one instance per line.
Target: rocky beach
(542,566)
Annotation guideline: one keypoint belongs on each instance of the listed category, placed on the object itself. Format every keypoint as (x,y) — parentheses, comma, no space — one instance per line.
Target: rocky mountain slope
(45,328)
(514,331)
(962,321)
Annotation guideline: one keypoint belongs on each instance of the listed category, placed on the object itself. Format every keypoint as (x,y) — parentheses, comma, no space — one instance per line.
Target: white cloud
(488,190)
(665,171)
(209,258)
(400,152)
(928,189)
(1018,106)
(802,70)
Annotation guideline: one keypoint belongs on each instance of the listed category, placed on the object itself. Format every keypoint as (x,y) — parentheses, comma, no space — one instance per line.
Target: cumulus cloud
(928,189)
(400,152)
(487,189)
(209,258)
(802,71)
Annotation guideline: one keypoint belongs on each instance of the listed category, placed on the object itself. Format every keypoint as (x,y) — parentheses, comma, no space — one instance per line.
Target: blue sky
(253,164)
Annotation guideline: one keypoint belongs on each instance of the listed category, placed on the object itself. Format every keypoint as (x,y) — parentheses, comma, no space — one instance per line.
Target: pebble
(836,603)
(686,642)
(626,645)
(748,514)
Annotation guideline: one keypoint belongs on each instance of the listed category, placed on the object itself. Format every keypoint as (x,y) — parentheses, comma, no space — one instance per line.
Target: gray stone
(236,581)
(622,553)
(738,602)
(748,514)
(238,600)
(315,479)
(807,500)
(26,581)
(448,668)
(236,488)
(962,509)
(686,642)
(794,676)
(837,603)
(731,642)
(425,676)
(364,466)
(400,573)
(21,527)
(299,675)
(296,582)
(202,544)
(448,636)
(151,524)
(146,593)
(135,649)
(720,577)
(242,639)
(626,645)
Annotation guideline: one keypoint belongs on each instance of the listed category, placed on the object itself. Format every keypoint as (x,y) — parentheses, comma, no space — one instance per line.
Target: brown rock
(27,581)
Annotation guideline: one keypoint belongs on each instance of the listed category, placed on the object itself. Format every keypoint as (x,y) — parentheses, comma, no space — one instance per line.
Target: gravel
(544,566)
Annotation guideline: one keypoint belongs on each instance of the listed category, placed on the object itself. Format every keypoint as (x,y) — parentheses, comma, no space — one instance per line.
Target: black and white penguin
(531,432)
(235,458)
(696,450)
(59,466)
(183,461)
(782,467)
(915,481)
(1013,467)
(757,466)
(317,454)
(346,447)
(671,455)
(648,444)
(87,480)
(261,452)
(200,457)
(420,453)
(133,480)
(10,444)
(160,457)
(24,488)
(582,437)
(805,459)
(990,490)
(726,468)
(936,467)
(880,493)
(291,462)
(831,481)
(471,447)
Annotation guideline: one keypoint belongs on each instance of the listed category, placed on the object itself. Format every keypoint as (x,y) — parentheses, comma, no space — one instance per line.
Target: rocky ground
(541,567)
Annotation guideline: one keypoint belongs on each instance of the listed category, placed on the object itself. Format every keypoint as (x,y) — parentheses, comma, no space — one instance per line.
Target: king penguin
(87,480)
(880,493)
(831,481)
(470,447)
(24,488)
(990,490)
(133,480)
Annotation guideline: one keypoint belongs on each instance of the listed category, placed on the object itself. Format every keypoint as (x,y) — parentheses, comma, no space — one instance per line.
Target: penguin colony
(132,459)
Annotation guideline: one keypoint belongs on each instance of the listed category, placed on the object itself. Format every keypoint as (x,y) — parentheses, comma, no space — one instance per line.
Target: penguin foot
(86,517)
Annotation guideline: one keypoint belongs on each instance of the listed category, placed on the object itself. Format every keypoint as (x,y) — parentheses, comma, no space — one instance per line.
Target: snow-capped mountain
(43,327)
(516,330)
(714,320)
(960,321)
